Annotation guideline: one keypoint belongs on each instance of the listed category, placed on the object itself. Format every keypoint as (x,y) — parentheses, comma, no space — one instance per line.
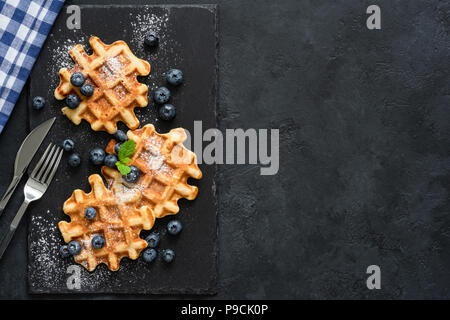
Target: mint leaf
(123,168)
(126,160)
(126,150)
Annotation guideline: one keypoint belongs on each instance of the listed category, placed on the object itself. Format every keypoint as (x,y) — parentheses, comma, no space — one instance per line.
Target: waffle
(165,166)
(112,70)
(117,220)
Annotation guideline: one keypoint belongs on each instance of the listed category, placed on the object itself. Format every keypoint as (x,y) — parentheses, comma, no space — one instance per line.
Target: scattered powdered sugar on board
(45,249)
(166,55)
(60,58)
(144,22)
(47,261)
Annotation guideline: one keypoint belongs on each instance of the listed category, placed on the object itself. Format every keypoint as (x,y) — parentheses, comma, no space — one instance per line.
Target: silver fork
(37,184)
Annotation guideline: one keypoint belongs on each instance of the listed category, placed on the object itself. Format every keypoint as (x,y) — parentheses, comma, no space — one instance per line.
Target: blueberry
(168,255)
(133,175)
(110,160)
(162,95)
(151,39)
(175,77)
(77,79)
(38,102)
(167,112)
(149,255)
(74,160)
(153,240)
(117,147)
(72,101)
(174,227)
(68,145)
(64,251)
(97,156)
(98,242)
(120,136)
(90,213)
(74,247)
(87,90)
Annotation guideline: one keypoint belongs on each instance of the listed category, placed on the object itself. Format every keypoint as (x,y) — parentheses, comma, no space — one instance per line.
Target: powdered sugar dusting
(60,57)
(167,54)
(114,64)
(152,157)
(46,248)
(129,193)
(112,68)
(46,258)
(145,22)
(155,163)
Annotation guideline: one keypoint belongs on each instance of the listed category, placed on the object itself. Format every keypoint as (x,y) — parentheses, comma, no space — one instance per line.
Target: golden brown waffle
(112,71)
(117,220)
(165,166)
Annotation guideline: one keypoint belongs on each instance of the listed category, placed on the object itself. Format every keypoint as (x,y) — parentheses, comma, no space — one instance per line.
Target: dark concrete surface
(364,151)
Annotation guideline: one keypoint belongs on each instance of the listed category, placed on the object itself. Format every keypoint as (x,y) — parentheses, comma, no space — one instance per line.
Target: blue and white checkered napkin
(24,25)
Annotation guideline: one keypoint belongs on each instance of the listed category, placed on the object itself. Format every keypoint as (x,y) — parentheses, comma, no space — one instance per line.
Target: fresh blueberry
(98,242)
(175,77)
(167,112)
(117,147)
(74,247)
(64,251)
(120,136)
(38,102)
(110,160)
(74,160)
(153,240)
(68,145)
(97,156)
(149,255)
(90,213)
(168,255)
(151,39)
(133,175)
(174,227)
(72,101)
(87,90)
(77,79)
(162,95)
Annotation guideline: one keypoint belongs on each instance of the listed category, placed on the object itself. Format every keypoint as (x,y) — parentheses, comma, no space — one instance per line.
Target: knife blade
(24,156)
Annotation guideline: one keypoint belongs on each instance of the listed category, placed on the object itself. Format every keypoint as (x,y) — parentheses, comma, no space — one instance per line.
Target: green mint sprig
(125,152)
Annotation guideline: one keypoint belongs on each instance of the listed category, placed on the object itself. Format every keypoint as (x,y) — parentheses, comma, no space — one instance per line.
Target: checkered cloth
(24,25)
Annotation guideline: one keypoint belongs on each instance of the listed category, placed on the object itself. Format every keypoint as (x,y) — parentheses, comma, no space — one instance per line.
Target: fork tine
(48,168)
(38,165)
(47,160)
(54,166)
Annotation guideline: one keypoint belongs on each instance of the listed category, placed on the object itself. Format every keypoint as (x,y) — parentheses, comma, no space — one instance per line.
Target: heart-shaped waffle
(165,166)
(117,221)
(112,70)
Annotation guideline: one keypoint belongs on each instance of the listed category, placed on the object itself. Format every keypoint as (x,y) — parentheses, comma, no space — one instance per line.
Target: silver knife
(24,156)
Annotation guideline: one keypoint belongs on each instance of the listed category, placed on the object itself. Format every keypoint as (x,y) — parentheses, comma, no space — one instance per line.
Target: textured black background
(364,175)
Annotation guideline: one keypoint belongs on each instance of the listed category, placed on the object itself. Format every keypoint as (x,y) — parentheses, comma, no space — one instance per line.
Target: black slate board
(188,42)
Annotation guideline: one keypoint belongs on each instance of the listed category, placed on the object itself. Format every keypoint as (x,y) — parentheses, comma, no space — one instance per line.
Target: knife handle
(12,228)
(12,186)
(6,240)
